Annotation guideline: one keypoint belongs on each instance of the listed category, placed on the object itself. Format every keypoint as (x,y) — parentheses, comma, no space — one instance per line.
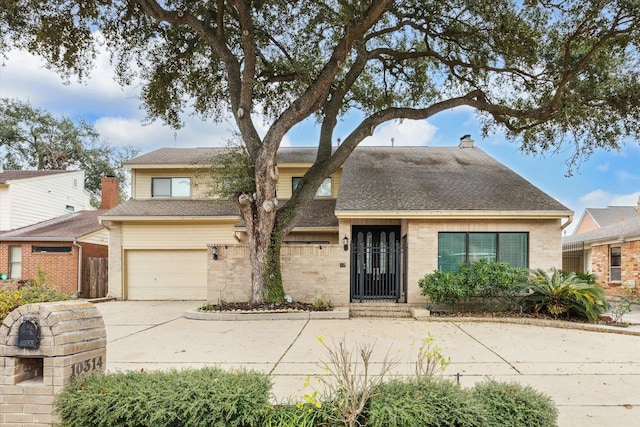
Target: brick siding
(61,268)
(630,268)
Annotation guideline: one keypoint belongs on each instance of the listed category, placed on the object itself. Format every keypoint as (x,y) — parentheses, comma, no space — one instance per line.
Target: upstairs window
(323,191)
(467,248)
(170,187)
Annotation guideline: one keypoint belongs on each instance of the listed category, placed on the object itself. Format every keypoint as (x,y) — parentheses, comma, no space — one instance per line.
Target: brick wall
(630,268)
(314,271)
(545,246)
(309,272)
(61,268)
(110,192)
(631,263)
(4,258)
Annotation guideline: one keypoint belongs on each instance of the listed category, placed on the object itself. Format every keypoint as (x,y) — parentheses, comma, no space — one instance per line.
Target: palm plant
(564,294)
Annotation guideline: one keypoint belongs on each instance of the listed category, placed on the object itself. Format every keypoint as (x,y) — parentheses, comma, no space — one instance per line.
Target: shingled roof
(435,179)
(11,175)
(66,227)
(319,213)
(378,179)
(612,214)
(206,155)
(174,208)
(627,228)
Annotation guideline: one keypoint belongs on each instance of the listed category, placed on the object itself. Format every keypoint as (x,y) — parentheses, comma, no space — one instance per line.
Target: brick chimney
(110,192)
(466,142)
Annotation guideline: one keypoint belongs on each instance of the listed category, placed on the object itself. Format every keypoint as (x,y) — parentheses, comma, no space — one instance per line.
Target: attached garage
(166,275)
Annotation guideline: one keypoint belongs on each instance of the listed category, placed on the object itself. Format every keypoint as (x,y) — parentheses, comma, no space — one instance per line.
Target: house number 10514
(86,366)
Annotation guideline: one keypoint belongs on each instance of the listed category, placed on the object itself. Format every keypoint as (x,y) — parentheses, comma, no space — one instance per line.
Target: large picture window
(467,248)
(170,187)
(323,191)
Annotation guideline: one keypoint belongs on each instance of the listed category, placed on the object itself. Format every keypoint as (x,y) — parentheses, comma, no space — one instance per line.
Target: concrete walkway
(594,377)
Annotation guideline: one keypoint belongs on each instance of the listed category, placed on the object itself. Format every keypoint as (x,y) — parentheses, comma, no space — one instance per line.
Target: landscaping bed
(249,307)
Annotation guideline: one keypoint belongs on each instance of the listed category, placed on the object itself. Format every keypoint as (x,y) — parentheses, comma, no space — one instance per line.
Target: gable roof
(12,175)
(611,214)
(436,179)
(63,228)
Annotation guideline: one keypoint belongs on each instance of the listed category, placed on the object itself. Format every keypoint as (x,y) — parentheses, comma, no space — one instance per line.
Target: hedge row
(212,397)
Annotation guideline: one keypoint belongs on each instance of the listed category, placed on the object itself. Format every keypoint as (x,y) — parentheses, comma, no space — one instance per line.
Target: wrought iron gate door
(377,267)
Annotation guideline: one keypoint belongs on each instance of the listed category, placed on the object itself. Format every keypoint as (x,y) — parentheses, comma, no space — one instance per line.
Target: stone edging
(421,314)
(336,313)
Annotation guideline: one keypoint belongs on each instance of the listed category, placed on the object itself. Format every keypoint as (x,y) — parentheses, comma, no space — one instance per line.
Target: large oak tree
(547,72)
(33,138)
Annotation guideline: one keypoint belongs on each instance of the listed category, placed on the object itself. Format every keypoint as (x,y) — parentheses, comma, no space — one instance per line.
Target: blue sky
(606,178)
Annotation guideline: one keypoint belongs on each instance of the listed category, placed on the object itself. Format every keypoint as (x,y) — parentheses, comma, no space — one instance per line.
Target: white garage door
(166,275)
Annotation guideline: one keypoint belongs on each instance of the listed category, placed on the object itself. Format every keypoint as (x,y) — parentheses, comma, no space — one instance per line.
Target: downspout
(75,243)
(566,224)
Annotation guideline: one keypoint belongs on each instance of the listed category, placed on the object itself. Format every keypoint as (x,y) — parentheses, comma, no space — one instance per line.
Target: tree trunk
(273,268)
(263,237)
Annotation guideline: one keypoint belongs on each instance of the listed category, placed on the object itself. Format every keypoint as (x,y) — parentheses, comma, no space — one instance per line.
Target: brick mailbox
(42,347)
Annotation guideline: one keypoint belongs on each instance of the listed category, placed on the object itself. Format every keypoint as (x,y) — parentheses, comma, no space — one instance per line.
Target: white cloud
(601,198)
(404,133)
(121,131)
(604,167)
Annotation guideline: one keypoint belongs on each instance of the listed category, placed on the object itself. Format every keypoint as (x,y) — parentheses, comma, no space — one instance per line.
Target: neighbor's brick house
(606,243)
(59,247)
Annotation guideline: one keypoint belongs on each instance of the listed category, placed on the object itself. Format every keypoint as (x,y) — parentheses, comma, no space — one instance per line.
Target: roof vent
(466,142)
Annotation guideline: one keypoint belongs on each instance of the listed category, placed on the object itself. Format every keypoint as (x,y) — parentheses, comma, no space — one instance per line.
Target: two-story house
(29,196)
(385,219)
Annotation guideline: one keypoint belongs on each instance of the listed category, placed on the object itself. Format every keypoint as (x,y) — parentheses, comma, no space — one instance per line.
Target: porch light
(345,242)
(214,252)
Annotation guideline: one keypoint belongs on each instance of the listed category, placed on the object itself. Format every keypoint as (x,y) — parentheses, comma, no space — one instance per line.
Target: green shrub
(29,293)
(564,294)
(203,397)
(426,401)
(514,405)
(444,288)
(300,415)
(495,283)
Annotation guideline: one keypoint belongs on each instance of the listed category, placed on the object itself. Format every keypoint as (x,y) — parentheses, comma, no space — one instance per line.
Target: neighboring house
(595,218)
(29,197)
(59,247)
(610,251)
(385,219)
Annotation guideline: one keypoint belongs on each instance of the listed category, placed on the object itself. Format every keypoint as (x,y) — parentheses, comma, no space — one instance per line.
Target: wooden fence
(95,278)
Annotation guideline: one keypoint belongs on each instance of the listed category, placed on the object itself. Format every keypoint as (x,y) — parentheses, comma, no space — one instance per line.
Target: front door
(375,263)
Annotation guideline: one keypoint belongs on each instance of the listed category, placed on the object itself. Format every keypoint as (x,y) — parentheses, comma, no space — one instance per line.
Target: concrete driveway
(594,377)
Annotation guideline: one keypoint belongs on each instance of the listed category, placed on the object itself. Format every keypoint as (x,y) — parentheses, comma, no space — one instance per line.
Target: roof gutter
(167,218)
(456,214)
